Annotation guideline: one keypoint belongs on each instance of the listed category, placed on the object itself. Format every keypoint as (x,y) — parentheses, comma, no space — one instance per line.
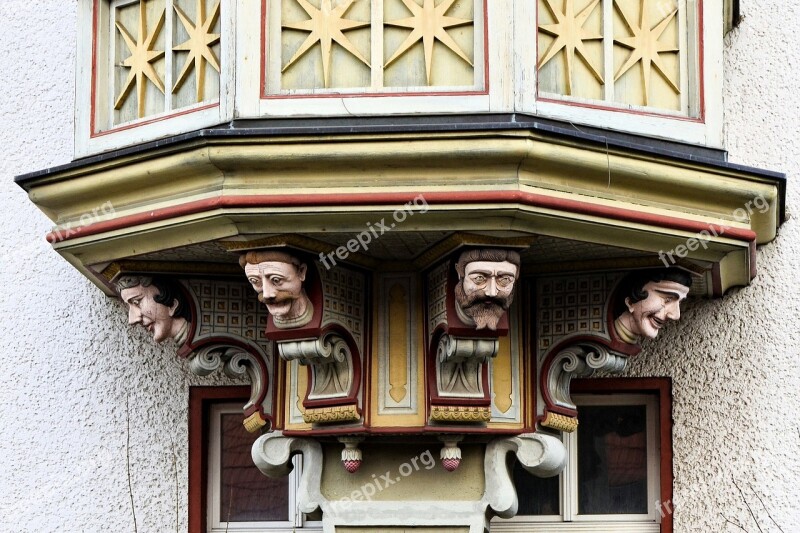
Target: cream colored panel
(397,357)
(640,54)
(646,53)
(196,36)
(571,48)
(139,59)
(325,44)
(428,43)
(163,55)
(505,372)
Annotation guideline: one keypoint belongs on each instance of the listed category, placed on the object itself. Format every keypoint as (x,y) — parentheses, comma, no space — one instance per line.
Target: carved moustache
(486,311)
(279,298)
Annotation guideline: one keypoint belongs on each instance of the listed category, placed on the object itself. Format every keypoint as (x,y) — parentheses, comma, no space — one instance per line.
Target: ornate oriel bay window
(155,68)
(383,216)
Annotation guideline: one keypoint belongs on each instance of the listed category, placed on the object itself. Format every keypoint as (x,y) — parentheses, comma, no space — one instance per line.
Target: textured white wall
(735,361)
(69,361)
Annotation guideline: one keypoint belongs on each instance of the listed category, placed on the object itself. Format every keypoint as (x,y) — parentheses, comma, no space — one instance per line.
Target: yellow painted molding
(204,171)
(457,240)
(327,415)
(254,422)
(398,342)
(502,377)
(560,422)
(113,270)
(300,242)
(460,413)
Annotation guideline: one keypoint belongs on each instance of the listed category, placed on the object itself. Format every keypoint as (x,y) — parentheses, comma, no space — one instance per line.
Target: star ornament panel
(634,54)
(155,58)
(369,46)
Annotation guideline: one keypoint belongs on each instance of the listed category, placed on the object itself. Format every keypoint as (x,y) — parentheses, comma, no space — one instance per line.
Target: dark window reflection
(612,459)
(246,494)
(537,496)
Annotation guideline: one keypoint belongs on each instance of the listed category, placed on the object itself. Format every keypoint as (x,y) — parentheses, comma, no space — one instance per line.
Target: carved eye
(505,281)
(478,279)
(255,282)
(275,280)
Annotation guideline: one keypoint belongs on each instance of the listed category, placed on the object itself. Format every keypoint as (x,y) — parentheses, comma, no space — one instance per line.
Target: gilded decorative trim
(327,415)
(254,422)
(560,422)
(460,413)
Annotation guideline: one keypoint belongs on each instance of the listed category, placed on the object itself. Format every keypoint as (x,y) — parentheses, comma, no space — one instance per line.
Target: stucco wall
(69,362)
(734,361)
(68,359)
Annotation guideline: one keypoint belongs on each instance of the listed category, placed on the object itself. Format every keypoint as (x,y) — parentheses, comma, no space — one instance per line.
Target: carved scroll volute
(335,371)
(238,362)
(579,360)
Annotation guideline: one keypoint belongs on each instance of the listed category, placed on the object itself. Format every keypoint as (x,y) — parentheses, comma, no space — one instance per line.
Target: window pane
(537,496)
(247,495)
(612,459)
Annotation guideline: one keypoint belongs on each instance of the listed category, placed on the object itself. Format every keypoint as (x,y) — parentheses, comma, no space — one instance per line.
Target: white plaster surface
(735,361)
(69,361)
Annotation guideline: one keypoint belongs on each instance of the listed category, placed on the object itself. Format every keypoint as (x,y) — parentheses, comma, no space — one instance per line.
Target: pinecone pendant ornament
(351,455)
(450,453)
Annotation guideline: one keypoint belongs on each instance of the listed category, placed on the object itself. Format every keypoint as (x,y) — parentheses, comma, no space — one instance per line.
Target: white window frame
(569,520)
(705,130)
(216,523)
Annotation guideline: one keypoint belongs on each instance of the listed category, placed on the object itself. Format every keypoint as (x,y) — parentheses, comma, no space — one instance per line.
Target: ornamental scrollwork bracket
(334,370)
(237,363)
(579,360)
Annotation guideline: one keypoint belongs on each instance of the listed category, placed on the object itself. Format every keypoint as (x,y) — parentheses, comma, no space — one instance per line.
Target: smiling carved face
(663,301)
(156,318)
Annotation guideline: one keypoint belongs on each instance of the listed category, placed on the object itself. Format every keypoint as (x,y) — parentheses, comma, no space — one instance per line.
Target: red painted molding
(200,401)
(395,198)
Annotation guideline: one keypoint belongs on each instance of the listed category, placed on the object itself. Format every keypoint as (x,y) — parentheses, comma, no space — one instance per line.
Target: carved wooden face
(663,301)
(156,318)
(280,286)
(486,291)
(490,278)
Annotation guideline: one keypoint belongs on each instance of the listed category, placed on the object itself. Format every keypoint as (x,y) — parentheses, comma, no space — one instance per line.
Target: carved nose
(269,291)
(491,288)
(674,311)
(134,316)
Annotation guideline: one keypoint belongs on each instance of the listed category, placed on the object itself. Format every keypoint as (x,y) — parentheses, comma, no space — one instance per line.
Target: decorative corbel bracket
(582,359)
(459,369)
(237,362)
(272,454)
(335,370)
(541,455)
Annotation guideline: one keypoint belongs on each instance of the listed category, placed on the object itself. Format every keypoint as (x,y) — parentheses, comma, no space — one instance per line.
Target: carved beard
(486,311)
